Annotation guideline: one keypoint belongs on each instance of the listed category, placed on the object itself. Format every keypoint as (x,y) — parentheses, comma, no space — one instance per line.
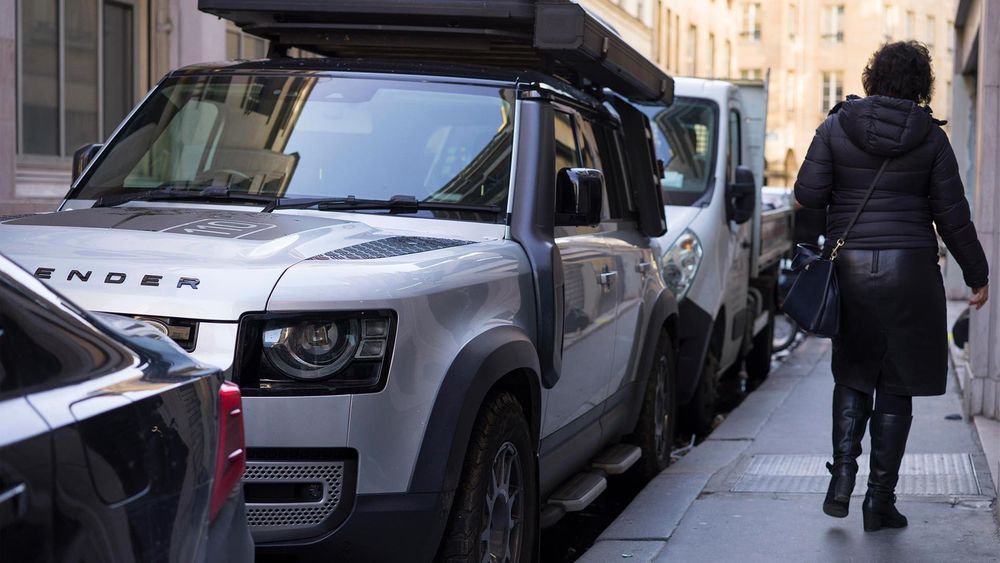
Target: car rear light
(231,456)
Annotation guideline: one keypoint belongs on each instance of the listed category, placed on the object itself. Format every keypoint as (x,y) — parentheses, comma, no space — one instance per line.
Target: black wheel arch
(500,358)
(664,317)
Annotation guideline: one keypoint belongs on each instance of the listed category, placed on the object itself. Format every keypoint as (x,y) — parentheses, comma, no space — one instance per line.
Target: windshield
(314,137)
(684,135)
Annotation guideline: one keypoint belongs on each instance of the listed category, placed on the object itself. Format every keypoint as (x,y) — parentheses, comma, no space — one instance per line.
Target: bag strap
(857,214)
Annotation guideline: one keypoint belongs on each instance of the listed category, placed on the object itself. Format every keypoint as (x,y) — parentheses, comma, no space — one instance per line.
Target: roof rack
(558,37)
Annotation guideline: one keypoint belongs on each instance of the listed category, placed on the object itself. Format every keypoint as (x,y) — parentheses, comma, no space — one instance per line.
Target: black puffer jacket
(921,184)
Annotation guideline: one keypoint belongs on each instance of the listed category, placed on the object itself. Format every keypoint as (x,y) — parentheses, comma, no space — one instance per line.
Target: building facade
(71,69)
(816,50)
(976,138)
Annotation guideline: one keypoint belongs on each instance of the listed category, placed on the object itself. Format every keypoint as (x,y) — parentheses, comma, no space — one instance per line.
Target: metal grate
(389,247)
(285,516)
(920,475)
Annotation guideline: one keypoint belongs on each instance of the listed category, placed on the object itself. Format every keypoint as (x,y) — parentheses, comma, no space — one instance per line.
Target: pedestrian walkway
(753,490)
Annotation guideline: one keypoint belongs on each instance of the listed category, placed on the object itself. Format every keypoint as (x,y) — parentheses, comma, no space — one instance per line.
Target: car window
(735,145)
(314,136)
(684,136)
(567,151)
(41,345)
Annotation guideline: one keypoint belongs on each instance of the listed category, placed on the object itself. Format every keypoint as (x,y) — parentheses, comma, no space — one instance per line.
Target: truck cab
(434,281)
(721,255)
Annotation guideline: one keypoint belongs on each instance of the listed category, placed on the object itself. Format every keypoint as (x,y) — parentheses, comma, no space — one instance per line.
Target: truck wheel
(495,512)
(699,414)
(655,431)
(758,360)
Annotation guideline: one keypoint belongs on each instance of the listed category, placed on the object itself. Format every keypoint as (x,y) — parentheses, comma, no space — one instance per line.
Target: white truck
(721,254)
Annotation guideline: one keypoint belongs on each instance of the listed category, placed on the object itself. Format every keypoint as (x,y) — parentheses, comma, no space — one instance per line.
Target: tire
(758,360)
(699,414)
(476,532)
(655,431)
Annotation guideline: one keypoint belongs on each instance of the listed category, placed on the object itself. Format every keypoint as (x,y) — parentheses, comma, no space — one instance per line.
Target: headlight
(681,262)
(314,353)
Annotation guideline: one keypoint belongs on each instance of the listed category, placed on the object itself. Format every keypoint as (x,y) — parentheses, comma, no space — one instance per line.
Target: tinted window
(567,151)
(735,145)
(684,135)
(42,345)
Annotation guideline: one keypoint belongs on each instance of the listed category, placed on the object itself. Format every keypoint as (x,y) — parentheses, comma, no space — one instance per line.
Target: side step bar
(583,488)
(617,459)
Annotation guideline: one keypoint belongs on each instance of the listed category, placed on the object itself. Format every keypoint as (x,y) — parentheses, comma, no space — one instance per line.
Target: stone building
(71,69)
(976,138)
(685,38)
(816,51)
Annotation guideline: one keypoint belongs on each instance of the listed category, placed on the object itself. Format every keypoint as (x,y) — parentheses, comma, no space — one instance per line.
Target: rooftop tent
(554,36)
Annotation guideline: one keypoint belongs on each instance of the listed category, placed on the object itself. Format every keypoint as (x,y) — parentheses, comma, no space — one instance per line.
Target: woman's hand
(979,297)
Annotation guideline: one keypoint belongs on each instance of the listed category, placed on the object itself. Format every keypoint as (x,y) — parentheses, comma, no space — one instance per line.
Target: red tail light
(230,457)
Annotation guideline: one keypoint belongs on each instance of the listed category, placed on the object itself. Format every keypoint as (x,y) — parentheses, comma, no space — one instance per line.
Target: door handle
(13,504)
(605,278)
(642,267)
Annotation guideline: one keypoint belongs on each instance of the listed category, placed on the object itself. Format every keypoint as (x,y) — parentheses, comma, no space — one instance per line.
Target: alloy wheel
(503,509)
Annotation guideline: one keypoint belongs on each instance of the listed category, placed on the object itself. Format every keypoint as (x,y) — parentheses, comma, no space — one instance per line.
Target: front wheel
(658,417)
(699,414)
(495,514)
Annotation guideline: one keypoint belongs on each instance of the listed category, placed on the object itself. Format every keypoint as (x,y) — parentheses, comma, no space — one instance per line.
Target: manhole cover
(920,474)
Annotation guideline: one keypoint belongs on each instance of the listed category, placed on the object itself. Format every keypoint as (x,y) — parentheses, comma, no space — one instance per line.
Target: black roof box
(555,36)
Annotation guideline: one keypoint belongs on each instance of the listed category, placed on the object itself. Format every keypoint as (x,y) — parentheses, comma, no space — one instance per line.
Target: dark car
(115,445)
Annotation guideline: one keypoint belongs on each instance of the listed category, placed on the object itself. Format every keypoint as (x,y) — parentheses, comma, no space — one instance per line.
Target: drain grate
(920,475)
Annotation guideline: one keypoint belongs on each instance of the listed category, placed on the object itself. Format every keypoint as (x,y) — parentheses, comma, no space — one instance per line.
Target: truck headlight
(681,262)
(312,353)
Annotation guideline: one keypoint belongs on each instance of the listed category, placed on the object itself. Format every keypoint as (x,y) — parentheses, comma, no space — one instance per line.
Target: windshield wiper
(395,204)
(211,193)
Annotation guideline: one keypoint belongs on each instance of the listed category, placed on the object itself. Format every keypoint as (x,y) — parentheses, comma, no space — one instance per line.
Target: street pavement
(693,512)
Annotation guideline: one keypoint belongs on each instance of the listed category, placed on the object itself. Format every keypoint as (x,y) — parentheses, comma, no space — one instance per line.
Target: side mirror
(82,157)
(578,197)
(741,196)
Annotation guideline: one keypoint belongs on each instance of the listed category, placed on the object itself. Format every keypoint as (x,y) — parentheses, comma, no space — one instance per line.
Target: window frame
(140,36)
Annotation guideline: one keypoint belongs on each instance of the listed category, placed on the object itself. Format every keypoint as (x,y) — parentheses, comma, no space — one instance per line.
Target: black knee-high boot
(889,434)
(851,409)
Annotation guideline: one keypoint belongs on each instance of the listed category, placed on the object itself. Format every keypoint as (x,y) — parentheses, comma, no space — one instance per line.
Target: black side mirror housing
(741,196)
(579,195)
(82,157)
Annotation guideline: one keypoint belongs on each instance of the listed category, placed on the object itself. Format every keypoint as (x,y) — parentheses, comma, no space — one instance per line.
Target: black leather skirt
(893,322)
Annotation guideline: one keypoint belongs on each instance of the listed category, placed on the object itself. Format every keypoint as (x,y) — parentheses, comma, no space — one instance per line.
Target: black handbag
(813,302)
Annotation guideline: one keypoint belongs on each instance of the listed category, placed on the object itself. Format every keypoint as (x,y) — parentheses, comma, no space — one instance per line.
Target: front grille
(296,499)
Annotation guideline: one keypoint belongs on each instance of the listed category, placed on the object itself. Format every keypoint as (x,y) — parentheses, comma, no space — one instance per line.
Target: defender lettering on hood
(114,278)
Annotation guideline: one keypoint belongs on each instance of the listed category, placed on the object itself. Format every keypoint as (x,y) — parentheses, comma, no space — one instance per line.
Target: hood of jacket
(884,126)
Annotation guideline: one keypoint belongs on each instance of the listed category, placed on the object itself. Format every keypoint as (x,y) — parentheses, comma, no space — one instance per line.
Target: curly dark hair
(900,70)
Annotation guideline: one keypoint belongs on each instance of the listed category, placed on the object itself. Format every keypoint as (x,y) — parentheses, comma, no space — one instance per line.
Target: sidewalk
(753,490)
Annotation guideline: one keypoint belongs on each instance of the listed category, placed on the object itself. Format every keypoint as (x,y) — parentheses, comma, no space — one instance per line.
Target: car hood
(205,264)
(679,218)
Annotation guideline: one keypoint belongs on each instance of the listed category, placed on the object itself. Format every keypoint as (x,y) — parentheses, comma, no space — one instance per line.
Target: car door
(634,262)
(26,469)
(25,473)
(590,299)
(738,274)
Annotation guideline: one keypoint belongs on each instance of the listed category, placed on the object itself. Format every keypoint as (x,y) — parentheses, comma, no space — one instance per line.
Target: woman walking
(893,342)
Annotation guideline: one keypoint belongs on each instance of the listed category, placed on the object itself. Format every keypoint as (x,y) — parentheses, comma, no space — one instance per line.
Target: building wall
(977,114)
(165,34)
(794,48)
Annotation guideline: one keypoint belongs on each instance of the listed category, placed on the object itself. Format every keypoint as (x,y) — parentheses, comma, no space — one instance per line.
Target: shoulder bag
(813,302)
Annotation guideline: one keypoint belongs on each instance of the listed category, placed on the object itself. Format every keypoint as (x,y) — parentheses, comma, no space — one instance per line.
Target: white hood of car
(205,264)
(679,218)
